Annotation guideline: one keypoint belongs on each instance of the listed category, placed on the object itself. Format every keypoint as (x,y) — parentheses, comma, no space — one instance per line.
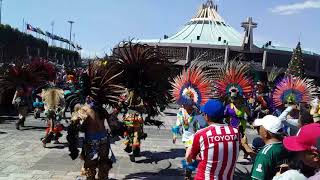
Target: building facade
(209,36)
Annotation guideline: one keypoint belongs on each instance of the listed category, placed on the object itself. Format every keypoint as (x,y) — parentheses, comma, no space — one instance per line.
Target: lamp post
(0,10)
(71,22)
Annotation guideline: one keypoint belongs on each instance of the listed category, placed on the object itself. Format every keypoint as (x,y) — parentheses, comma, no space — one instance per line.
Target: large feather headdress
(35,74)
(191,87)
(103,83)
(146,71)
(53,98)
(294,90)
(233,80)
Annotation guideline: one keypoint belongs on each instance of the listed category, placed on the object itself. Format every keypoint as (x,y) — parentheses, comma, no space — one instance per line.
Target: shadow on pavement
(157,175)
(153,122)
(155,157)
(241,174)
(33,128)
(7,119)
(57,146)
(170,114)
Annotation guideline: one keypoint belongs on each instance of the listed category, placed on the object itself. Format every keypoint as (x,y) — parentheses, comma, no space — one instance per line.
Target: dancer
(290,92)
(145,74)
(38,104)
(20,101)
(103,89)
(22,79)
(190,89)
(53,104)
(233,87)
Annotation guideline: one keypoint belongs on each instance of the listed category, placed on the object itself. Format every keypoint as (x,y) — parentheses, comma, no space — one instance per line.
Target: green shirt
(267,161)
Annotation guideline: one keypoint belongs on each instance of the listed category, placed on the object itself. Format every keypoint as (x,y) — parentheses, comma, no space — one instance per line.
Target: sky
(101,24)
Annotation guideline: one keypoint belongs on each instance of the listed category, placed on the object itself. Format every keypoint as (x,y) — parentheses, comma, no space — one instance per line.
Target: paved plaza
(23,157)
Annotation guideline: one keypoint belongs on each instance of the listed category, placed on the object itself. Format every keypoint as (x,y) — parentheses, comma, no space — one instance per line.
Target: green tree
(296,65)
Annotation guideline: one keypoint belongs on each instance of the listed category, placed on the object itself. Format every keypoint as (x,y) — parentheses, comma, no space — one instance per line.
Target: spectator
(273,154)
(290,119)
(304,117)
(307,145)
(217,144)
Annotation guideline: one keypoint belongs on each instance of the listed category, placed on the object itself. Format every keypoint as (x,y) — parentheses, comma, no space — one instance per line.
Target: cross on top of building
(249,24)
(209,3)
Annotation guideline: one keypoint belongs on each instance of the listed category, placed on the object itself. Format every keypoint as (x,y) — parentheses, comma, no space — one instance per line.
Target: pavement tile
(19,175)
(39,172)
(10,169)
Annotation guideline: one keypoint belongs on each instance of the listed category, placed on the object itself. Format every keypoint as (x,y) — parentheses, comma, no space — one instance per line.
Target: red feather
(234,74)
(195,76)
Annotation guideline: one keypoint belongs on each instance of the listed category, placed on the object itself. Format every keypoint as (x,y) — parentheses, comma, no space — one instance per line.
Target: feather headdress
(145,71)
(274,73)
(293,90)
(35,74)
(191,87)
(101,83)
(233,80)
(100,86)
(53,98)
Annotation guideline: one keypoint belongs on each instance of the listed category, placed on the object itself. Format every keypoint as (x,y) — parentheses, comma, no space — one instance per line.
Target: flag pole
(52,25)
(0,11)
(22,29)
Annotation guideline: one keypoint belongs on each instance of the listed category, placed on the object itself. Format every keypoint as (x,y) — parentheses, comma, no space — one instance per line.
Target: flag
(79,47)
(64,40)
(55,37)
(30,28)
(38,30)
(71,43)
(49,35)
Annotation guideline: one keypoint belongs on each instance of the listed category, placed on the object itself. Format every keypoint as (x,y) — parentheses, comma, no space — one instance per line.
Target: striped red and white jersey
(218,146)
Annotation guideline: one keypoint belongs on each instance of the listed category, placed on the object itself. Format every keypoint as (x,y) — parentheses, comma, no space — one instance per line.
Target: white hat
(270,123)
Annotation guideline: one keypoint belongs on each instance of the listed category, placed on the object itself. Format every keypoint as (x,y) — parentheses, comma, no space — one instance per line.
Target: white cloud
(296,7)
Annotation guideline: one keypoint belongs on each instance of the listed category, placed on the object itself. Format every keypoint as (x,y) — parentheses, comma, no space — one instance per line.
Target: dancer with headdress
(22,79)
(291,93)
(53,99)
(103,89)
(145,74)
(233,87)
(190,90)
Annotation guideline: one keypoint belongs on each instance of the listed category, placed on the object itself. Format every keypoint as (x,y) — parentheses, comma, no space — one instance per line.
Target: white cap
(270,123)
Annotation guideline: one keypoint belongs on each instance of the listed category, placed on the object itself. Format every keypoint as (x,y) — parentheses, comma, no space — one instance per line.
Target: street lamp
(71,22)
(0,10)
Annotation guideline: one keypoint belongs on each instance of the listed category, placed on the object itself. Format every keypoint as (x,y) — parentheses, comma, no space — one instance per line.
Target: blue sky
(101,24)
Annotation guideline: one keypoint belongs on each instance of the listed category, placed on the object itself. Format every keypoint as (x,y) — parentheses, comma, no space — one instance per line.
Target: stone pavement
(23,157)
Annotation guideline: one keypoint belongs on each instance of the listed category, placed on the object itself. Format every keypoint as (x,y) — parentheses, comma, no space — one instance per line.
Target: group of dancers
(132,82)
(135,81)
(244,100)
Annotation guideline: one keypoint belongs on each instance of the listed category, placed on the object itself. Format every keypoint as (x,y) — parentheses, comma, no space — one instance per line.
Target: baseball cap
(213,108)
(308,138)
(269,122)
